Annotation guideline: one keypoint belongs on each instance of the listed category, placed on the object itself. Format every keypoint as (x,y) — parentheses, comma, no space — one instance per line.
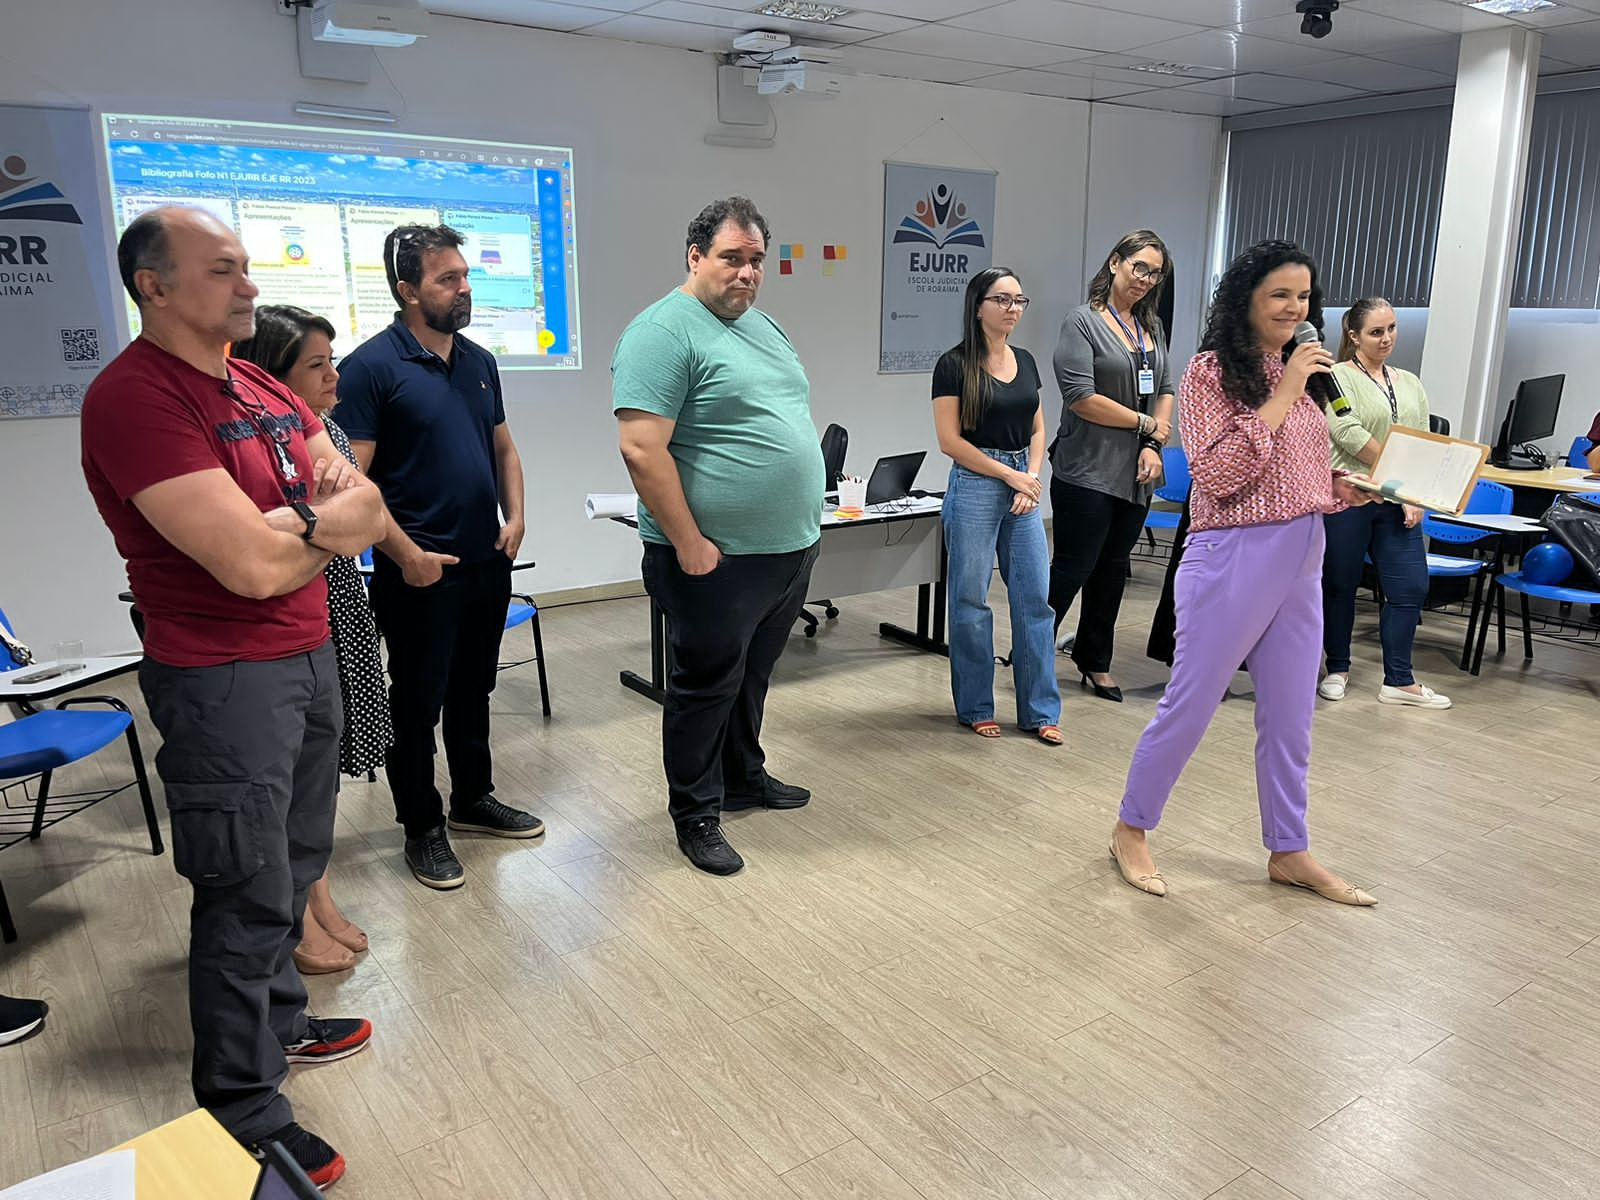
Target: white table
(93,670)
(894,545)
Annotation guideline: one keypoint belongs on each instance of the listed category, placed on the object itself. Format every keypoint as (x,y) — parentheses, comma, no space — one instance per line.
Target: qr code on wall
(80,345)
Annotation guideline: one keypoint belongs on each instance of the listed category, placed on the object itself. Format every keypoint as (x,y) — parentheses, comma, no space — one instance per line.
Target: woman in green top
(1390,534)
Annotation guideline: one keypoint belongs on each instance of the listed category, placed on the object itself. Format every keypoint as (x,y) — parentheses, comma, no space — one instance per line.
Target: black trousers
(250,761)
(725,633)
(1094,534)
(443,645)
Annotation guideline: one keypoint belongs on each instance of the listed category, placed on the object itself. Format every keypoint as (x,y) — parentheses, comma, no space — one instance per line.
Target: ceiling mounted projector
(369,22)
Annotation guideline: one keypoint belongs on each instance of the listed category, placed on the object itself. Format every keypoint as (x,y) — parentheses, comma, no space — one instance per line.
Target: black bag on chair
(1574,521)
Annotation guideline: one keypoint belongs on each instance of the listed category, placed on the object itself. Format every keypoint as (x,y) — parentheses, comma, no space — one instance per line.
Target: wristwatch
(307,514)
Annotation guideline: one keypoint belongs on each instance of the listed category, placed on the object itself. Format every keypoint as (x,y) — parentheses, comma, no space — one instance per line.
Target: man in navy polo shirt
(423,409)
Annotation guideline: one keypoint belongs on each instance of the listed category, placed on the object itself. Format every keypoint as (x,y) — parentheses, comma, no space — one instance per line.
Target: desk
(893,546)
(192,1158)
(1532,491)
(94,670)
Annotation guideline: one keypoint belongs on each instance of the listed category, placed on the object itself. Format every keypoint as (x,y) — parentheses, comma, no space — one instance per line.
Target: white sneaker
(1064,641)
(1332,687)
(1426,698)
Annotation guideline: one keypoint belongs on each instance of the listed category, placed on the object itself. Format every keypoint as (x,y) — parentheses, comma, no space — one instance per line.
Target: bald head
(183,266)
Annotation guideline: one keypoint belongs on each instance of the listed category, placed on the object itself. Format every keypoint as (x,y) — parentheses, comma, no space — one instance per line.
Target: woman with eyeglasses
(989,420)
(1249,588)
(296,348)
(1381,397)
(1116,414)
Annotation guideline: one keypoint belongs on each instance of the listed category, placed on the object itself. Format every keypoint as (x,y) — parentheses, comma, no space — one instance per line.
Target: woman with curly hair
(1249,588)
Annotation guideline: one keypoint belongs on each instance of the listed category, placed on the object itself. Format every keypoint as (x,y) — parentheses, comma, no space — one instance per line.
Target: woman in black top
(987,414)
(1116,414)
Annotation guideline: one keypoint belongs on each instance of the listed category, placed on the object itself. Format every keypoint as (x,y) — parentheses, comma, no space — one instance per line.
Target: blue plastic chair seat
(1158,518)
(51,739)
(1454,568)
(519,614)
(1513,581)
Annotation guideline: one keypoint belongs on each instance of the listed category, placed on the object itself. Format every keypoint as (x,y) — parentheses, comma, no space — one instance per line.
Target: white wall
(634,117)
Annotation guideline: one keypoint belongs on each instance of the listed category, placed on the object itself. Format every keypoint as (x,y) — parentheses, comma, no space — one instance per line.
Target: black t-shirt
(1007,422)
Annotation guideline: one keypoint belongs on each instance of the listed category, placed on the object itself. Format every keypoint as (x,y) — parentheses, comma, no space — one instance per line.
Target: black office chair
(1439,425)
(835,441)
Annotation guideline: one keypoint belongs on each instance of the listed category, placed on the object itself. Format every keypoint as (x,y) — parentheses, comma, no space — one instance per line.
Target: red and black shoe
(330,1039)
(322,1164)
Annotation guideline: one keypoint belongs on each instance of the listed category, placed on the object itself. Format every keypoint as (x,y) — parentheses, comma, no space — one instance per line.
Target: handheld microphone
(1324,388)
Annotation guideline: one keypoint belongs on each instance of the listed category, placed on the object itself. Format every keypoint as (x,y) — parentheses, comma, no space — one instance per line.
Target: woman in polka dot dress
(296,347)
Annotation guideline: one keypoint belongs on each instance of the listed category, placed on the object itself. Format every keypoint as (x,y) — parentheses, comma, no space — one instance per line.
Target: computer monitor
(892,478)
(1532,416)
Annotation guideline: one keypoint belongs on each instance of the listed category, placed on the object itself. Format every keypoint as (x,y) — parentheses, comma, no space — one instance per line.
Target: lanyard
(1388,385)
(1137,338)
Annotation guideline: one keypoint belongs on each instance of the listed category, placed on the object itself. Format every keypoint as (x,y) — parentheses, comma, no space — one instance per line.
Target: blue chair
(1578,456)
(1513,581)
(523,610)
(1487,497)
(39,743)
(1174,489)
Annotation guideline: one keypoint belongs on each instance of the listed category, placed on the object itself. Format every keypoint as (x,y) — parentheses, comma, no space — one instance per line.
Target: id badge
(1147,381)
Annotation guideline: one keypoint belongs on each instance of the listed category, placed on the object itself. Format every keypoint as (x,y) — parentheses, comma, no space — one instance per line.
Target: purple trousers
(1253,595)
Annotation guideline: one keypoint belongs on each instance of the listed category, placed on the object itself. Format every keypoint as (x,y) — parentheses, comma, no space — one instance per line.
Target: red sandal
(1050,735)
(987,729)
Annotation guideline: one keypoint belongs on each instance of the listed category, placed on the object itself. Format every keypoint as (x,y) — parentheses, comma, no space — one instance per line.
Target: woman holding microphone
(1380,397)
(1249,587)
(987,414)
(1116,414)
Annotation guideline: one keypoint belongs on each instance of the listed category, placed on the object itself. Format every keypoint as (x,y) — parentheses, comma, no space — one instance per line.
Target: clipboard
(1425,470)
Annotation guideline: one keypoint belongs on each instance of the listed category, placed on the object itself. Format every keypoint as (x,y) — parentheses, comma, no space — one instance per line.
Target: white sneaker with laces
(1064,641)
(1332,687)
(1426,698)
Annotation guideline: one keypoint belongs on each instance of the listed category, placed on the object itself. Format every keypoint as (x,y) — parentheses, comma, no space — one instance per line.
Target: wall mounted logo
(939,220)
(24,197)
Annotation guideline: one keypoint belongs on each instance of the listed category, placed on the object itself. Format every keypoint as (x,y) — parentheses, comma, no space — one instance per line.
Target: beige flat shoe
(1347,894)
(1154,884)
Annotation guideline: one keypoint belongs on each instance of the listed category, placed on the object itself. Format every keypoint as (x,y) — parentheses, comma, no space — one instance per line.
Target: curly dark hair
(1229,334)
(703,229)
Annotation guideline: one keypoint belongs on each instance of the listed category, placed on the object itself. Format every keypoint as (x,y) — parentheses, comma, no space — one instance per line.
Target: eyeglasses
(1146,274)
(1007,301)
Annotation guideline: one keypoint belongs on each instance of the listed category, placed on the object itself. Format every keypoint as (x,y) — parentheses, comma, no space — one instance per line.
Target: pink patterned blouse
(1244,472)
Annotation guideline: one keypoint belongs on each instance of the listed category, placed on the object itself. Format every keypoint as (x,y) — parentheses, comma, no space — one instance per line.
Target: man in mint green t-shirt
(714,416)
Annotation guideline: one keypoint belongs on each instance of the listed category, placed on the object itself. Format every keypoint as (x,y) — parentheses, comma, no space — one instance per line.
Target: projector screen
(313,206)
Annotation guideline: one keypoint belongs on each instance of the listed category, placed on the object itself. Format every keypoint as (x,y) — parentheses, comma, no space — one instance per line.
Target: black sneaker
(488,815)
(433,862)
(774,793)
(707,849)
(322,1164)
(20,1018)
(330,1039)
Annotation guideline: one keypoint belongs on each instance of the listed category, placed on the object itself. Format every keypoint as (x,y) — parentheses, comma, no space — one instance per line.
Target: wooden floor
(929,983)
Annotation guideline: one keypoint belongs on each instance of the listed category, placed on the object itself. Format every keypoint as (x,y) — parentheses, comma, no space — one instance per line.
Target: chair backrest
(1578,456)
(1438,424)
(835,441)
(1487,497)
(1175,468)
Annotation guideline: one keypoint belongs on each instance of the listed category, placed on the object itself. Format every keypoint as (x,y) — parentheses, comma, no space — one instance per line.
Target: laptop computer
(281,1177)
(892,478)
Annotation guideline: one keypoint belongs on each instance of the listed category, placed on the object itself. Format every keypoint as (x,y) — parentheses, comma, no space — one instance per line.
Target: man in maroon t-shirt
(227,498)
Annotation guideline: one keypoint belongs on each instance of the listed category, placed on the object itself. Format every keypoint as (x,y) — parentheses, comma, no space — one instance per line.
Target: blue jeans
(978,523)
(1378,530)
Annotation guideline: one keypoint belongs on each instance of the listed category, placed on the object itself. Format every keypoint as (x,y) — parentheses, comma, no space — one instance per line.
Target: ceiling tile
(972,46)
(924,10)
(682,34)
(1039,83)
(1184,101)
(537,14)
(1070,24)
(1371,75)
(1354,30)
(856,19)
(1578,44)
(1275,89)
(873,61)
(1551,18)
(1117,76)
(734,21)
(1441,55)
(1446,16)
(1238,52)
(1212,14)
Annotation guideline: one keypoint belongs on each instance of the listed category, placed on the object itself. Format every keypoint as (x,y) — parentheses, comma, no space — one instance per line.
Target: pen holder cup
(852,493)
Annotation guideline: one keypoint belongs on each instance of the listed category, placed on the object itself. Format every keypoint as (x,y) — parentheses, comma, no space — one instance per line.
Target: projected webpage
(313,206)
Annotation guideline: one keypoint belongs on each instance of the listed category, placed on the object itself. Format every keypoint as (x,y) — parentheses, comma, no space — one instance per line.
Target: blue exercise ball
(1547,563)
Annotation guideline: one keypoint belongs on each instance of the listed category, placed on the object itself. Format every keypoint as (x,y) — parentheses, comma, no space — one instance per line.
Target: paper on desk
(1425,470)
(600,506)
(104,1177)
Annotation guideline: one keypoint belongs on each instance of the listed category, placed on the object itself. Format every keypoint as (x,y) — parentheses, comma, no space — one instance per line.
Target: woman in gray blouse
(1116,414)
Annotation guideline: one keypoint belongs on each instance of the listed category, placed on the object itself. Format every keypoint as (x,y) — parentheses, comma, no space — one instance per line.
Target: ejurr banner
(57,314)
(938,232)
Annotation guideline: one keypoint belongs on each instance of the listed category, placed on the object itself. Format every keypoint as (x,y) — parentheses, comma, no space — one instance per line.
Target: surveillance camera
(1317,17)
